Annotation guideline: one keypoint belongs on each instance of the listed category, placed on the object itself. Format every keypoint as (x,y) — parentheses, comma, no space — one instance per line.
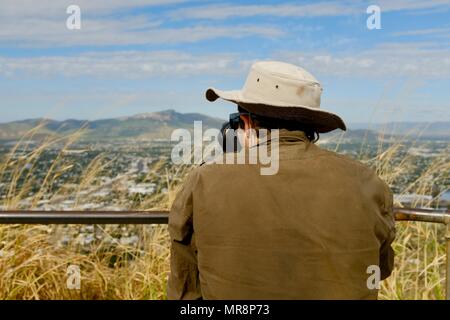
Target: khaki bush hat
(284,91)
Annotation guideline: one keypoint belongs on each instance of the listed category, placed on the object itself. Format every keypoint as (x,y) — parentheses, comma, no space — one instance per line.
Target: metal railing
(162,217)
(84,217)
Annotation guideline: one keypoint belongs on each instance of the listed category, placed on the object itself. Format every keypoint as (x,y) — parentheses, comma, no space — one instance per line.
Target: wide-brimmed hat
(284,91)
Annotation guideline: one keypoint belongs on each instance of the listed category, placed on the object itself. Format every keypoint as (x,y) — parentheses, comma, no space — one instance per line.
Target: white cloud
(414,59)
(435,32)
(43,24)
(16,9)
(101,33)
(408,5)
(225,11)
(122,65)
(318,9)
(426,59)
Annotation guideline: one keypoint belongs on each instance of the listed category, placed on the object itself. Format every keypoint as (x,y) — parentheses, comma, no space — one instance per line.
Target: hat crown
(284,70)
(282,84)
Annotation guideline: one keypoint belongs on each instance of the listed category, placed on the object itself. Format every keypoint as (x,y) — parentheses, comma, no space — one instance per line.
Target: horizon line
(203,114)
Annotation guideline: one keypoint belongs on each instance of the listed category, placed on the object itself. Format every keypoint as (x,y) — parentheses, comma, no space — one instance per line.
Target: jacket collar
(288,136)
(285,137)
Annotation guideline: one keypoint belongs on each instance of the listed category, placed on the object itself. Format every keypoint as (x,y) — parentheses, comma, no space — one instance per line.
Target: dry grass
(420,247)
(419,272)
(33,265)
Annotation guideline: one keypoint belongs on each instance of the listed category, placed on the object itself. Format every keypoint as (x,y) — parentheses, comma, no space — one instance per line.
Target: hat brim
(321,120)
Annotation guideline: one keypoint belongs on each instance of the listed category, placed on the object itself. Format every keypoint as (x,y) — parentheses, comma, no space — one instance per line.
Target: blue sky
(148,55)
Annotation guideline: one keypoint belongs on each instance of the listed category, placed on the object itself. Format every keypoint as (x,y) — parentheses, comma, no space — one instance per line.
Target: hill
(142,126)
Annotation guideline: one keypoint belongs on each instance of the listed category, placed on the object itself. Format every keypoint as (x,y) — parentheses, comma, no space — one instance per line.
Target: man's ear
(250,134)
(247,121)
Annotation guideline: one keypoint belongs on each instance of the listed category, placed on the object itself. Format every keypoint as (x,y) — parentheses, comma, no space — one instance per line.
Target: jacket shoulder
(365,175)
(357,167)
(343,159)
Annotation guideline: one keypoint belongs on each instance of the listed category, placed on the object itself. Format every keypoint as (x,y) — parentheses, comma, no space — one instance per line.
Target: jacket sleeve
(386,251)
(183,283)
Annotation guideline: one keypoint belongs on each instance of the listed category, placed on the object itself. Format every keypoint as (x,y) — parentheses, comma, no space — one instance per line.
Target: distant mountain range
(155,125)
(144,126)
(439,129)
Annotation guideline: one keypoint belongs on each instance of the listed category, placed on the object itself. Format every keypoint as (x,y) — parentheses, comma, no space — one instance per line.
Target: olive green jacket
(311,231)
